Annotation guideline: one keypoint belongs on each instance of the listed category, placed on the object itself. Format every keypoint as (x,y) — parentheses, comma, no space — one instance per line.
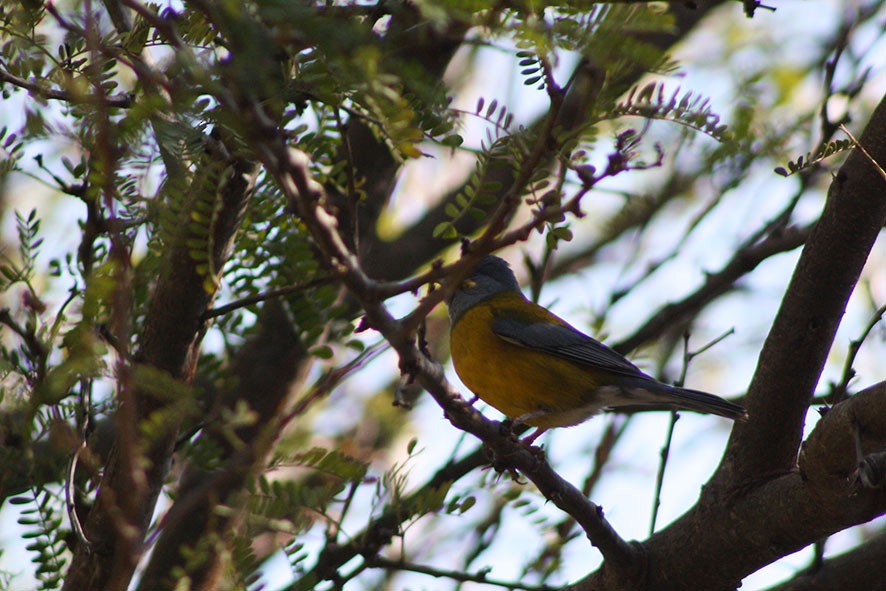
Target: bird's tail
(699,401)
(650,394)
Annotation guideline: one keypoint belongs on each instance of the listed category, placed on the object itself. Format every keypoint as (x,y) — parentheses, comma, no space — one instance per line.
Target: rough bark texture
(173,330)
(861,569)
(268,370)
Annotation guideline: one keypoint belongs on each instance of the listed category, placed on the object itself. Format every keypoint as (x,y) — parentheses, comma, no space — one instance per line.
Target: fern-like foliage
(274,251)
(185,213)
(436,121)
(826,151)
(532,69)
(40,515)
(476,195)
(292,505)
(28,227)
(244,562)
(654,101)
(346,67)
(503,146)
(10,151)
(610,34)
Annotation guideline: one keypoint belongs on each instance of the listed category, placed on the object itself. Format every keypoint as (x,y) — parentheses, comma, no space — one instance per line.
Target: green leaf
(452,141)
(444,230)
(322,352)
(563,233)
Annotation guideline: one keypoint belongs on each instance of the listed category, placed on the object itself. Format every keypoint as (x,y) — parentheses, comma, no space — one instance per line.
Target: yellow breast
(516,380)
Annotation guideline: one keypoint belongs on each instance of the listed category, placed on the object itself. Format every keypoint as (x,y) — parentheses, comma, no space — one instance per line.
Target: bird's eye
(468,284)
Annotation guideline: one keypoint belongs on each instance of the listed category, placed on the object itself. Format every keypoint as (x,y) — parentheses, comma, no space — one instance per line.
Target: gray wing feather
(565,342)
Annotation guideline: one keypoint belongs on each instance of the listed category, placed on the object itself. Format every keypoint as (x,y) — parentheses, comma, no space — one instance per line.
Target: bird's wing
(563,341)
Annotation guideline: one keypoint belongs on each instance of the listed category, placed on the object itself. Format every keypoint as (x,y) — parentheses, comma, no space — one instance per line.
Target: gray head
(490,276)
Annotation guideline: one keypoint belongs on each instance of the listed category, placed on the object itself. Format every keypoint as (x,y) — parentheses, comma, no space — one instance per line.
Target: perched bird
(537,369)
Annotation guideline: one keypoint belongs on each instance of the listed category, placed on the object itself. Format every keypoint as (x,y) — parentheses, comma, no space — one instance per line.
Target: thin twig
(70,496)
(305,194)
(867,155)
(662,465)
(840,390)
(35,347)
(273,293)
(744,260)
(331,380)
(480,577)
(42,90)
(688,356)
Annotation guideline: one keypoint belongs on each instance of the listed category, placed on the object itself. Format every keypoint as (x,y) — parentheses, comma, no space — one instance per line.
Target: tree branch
(173,331)
(381,530)
(193,537)
(801,336)
(289,167)
(454,575)
(758,524)
(861,569)
(716,284)
(756,508)
(399,258)
(43,90)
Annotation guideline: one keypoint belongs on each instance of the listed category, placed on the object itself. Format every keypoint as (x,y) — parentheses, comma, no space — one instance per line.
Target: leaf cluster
(653,101)
(40,515)
(826,151)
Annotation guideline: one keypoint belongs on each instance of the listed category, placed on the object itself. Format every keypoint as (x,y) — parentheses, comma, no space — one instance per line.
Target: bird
(540,371)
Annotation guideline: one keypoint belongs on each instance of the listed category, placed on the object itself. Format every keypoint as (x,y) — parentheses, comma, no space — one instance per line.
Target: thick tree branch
(170,342)
(795,350)
(861,569)
(757,508)
(845,434)
(745,260)
(757,525)
(194,541)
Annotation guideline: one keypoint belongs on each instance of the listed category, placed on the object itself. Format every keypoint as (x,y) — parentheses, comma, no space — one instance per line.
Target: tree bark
(169,345)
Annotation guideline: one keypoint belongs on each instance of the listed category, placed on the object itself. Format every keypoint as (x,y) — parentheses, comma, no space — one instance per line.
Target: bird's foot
(501,465)
(507,428)
(530,439)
